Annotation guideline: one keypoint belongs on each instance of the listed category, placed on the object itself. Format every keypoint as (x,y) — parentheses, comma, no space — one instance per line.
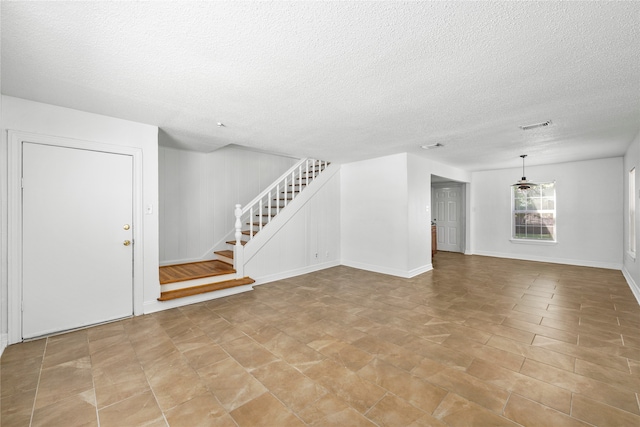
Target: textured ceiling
(343,81)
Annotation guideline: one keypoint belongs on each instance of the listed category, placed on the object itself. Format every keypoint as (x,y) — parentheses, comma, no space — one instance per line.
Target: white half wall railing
(269,202)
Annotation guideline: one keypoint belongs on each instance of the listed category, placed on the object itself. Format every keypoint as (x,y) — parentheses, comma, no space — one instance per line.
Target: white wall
(588,207)
(384,219)
(310,239)
(22,115)
(631,267)
(373,201)
(198,192)
(418,215)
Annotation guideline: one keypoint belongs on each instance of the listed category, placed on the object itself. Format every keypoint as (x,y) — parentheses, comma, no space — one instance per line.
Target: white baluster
(306,165)
(251,211)
(238,213)
(277,198)
(269,209)
(293,187)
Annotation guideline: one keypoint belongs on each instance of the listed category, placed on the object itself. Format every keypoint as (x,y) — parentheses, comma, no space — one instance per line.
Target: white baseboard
(292,273)
(417,271)
(632,284)
(4,340)
(580,263)
(386,270)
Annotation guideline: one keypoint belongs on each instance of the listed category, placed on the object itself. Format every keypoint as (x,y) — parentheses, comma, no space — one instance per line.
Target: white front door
(76,218)
(446,209)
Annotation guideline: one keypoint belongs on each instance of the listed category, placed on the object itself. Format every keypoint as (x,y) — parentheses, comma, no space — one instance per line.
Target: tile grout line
(146,379)
(207,387)
(33,407)
(439,404)
(93,383)
(504,407)
(377,401)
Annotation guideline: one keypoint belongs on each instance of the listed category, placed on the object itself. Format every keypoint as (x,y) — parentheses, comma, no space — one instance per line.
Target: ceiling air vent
(536,125)
(431,146)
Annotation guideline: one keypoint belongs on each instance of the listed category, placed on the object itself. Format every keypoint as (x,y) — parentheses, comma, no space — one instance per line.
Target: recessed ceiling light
(432,146)
(220,125)
(536,125)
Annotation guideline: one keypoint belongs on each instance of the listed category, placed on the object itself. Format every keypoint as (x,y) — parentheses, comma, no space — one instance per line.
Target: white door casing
(446,210)
(14,234)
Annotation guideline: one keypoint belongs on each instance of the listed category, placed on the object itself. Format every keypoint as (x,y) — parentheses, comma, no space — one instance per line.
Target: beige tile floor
(477,342)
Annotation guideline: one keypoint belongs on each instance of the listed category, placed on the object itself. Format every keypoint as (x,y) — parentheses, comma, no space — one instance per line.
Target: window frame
(554,212)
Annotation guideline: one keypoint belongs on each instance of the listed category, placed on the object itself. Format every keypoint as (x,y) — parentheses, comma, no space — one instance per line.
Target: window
(632,211)
(534,213)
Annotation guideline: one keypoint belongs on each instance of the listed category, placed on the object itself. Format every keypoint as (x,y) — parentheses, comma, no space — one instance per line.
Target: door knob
(127,242)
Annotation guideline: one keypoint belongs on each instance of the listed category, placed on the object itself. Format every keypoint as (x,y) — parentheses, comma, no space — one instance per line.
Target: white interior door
(76,217)
(447,203)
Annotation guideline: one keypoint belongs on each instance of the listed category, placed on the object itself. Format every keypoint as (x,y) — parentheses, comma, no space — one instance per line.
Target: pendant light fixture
(523,184)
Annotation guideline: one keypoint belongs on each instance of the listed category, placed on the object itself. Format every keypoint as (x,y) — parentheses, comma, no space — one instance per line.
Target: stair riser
(197,282)
(225,259)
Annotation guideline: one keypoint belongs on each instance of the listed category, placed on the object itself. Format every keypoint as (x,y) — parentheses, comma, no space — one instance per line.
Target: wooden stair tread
(196,290)
(233,242)
(193,270)
(225,253)
(247,232)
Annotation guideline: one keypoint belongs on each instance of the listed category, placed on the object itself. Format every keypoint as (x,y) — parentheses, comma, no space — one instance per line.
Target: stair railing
(267,204)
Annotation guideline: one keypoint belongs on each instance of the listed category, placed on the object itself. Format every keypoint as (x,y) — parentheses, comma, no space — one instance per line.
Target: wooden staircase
(183,280)
(194,278)
(269,212)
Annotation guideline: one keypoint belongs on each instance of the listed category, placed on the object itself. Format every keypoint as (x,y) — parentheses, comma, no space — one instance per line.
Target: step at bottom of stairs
(194,270)
(201,289)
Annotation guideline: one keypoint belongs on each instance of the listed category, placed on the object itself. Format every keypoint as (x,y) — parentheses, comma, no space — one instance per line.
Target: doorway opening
(449,214)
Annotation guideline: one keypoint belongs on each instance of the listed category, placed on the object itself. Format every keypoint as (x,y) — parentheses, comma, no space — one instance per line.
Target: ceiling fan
(523,184)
